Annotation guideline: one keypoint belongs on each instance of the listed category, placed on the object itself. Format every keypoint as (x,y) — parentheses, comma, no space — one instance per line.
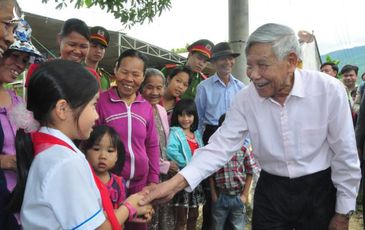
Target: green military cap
(202,46)
(99,35)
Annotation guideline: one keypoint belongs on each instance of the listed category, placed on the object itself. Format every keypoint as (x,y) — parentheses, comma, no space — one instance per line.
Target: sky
(337,24)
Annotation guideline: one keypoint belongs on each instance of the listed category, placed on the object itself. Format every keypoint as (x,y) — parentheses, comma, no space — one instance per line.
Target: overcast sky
(337,24)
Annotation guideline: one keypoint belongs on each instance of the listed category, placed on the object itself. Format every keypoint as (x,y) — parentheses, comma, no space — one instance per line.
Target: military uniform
(105,80)
(100,35)
(202,46)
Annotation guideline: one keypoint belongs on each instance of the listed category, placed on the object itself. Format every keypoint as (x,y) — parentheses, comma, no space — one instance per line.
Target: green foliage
(331,60)
(129,12)
(181,50)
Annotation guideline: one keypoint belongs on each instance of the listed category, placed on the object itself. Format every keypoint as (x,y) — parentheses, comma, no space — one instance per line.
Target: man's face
(96,52)
(271,77)
(7,25)
(197,61)
(224,65)
(329,70)
(349,79)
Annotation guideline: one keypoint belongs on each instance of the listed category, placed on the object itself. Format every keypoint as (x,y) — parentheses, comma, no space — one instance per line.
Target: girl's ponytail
(24,158)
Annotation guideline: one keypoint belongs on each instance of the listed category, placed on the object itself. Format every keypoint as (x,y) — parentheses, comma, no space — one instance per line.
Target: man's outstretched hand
(163,192)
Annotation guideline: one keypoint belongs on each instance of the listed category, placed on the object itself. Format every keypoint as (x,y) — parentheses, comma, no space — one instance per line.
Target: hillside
(353,56)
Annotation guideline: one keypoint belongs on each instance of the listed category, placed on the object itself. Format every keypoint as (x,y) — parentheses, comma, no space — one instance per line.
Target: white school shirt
(311,132)
(60,191)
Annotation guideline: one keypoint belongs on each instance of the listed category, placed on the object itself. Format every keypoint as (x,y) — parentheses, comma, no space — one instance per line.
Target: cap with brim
(23,43)
(99,35)
(202,46)
(223,50)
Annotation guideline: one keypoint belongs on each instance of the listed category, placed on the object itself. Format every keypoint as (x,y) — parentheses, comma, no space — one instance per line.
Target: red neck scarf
(42,141)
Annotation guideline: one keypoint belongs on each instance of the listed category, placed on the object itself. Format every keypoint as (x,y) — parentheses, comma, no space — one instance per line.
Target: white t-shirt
(60,191)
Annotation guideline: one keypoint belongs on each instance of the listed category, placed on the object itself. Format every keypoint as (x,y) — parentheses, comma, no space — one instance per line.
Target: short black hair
(186,106)
(348,68)
(333,65)
(96,136)
(75,25)
(181,69)
(132,53)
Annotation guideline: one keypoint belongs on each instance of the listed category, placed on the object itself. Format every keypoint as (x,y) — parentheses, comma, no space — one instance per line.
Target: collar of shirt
(297,90)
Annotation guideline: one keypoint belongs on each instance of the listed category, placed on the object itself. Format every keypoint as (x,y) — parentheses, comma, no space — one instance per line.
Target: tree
(129,12)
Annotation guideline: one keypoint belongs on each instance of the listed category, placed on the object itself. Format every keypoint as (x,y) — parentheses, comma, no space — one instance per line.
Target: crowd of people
(142,148)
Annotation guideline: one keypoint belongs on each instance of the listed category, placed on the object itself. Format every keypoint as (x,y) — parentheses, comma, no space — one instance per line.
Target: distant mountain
(353,56)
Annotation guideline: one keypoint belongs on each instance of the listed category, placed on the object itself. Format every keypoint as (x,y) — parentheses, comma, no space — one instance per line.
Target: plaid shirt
(232,176)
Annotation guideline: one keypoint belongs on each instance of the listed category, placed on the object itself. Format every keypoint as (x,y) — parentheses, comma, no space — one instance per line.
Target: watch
(132,211)
(347,215)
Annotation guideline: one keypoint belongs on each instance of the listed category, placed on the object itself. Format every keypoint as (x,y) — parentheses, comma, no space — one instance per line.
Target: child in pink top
(105,153)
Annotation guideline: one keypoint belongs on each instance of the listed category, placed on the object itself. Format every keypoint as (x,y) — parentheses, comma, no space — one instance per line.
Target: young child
(184,139)
(59,187)
(230,189)
(105,153)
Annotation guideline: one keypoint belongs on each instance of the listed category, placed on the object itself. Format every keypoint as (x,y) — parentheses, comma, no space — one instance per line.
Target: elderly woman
(13,63)
(152,90)
(123,108)
(9,17)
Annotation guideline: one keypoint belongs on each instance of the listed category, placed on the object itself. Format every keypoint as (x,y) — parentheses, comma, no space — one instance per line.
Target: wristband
(132,211)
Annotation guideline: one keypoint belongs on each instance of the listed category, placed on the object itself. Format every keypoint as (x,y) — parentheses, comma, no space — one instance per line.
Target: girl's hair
(51,82)
(132,53)
(95,138)
(186,106)
(181,69)
(75,25)
(152,72)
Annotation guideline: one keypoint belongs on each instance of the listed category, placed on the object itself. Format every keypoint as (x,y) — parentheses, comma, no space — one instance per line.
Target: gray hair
(282,38)
(152,72)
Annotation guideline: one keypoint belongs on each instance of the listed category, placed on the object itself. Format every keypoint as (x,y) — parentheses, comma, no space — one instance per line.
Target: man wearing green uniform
(99,41)
(199,54)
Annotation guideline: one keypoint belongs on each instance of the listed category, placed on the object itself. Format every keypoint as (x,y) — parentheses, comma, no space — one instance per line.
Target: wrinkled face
(96,52)
(178,84)
(270,76)
(185,120)
(87,119)
(153,89)
(129,76)
(224,65)
(74,47)
(328,70)
(103,155)
(197,61)
(6,26)
(12,66)
(349,79)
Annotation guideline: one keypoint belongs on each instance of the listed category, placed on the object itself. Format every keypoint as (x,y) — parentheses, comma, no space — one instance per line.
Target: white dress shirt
(312,131)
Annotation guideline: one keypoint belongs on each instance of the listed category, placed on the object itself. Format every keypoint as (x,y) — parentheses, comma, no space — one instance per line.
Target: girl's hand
(141,209)
(8,162)
(145,218)
(173,167)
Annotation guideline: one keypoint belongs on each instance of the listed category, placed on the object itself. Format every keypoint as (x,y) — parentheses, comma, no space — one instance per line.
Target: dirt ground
(356,222)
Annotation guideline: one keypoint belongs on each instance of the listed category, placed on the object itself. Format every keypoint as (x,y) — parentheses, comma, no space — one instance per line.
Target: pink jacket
(136,127)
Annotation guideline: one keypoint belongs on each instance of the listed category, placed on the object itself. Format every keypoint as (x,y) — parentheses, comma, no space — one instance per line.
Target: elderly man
(213,98)
(300,127)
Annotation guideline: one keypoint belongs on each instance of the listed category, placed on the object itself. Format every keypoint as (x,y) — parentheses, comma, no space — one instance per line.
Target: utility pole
(238,33)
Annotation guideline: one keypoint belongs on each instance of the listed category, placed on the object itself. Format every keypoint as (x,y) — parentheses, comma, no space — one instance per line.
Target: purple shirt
(9,137)
(136,127)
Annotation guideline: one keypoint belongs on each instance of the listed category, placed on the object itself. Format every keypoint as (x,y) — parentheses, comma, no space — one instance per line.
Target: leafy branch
(129,12)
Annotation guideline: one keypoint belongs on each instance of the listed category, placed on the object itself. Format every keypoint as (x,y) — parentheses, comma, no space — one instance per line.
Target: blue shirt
(213,98)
